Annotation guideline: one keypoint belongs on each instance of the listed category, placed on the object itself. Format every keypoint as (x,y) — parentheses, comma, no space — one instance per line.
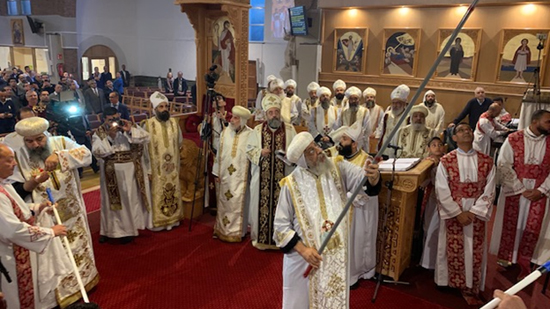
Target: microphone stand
(382,252)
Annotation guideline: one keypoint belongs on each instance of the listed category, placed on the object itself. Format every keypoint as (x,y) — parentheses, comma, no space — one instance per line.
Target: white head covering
(426,94)
(369,91)
(313,86)
(401,92)
(242,112)
(336,135)
(353,91)
(156,98)
(32,126)
(299,143)
(270,101)
(339,84)
(291,83)
(271,78)
(323,90)
(277,83)
(354,132)
(419,108)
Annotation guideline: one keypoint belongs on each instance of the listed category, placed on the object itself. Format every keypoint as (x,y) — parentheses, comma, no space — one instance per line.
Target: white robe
(363,117)
(485,133)
(71,207)
(481,207)
(389,124)
(14,140)
(414,143)
(436,117)
(233,195)
(296,289)
(321,124)
(253,151)
(132,217)
(339,105)
(376,117)
(49,261)
(289,109)
(535,148)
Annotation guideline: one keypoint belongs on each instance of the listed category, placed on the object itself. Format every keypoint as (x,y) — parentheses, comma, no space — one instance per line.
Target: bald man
(488,129)
(474,108)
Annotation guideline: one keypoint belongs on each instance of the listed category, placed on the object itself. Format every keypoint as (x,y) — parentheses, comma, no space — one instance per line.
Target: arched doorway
(98,56)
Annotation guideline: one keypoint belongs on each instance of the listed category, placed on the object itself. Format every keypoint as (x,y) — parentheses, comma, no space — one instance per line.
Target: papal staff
(395,129)
(69,252)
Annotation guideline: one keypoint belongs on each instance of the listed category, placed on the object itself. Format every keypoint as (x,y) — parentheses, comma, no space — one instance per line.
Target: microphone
(5,272)
(395,147)
(281,155)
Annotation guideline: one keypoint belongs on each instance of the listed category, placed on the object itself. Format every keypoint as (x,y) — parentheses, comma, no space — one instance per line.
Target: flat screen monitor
(298,21)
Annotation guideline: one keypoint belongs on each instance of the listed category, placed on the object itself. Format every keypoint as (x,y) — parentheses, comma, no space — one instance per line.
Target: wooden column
(221,35)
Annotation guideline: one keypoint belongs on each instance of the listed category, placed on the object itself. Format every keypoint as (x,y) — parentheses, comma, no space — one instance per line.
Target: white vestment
(340,105)
(414,143)
(233,196)
(534,153)
(64,183)
(363,116)
(289,108)
(383,131)
(486,131)
(363,230)
(118,162)
(436,117)
(322,121)
(49,260)
(306,205)
(259,197)
(481,207)
(14,140)
(376,117)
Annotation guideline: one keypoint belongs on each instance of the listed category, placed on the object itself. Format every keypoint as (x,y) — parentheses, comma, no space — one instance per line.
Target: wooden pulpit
(399,226)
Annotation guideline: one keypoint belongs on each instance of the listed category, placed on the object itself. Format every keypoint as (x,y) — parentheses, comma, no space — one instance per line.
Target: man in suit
(180,85)
(56,95)
(95,99)
(118,84)
(125,76)
(109,87)
(105,76)
(169,83)
(114,99)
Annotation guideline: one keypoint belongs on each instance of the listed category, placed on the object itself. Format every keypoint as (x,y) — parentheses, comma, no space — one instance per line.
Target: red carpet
(178,269)
(92,200)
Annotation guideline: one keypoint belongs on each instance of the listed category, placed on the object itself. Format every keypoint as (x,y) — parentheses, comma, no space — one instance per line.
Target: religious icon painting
(400,51)
(224,50)
(460,61)
(350,50)
(17,32)
(520,56)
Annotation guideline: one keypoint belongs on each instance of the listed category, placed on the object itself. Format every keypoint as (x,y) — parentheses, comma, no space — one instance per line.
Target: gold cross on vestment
(231,169)
(78,259)
(228,195)
(225,221)
(71,236)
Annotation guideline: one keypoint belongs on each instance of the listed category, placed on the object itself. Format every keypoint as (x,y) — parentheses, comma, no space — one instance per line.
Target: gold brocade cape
(164,155)
(318,201)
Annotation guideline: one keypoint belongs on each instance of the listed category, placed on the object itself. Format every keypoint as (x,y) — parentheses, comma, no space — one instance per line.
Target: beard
(313,99)
(345,151)
(429,103)
(339,96)
(543,131)
(323,165)
(289,94)
(354,107)
(163,116)
(234,127)
(397,112)
(274,123)
(370,103)
(418,126)
(40,154)
(325,104)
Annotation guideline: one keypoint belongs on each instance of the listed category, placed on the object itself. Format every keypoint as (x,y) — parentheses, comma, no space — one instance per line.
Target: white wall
(64,25)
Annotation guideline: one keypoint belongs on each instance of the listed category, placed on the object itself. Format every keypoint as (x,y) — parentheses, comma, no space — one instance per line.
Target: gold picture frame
(17,32)
(350,50)
(460,62)
(400,51)
(517,61)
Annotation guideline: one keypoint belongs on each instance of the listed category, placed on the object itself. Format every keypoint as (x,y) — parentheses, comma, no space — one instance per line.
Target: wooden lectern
(221,35)
(401,216)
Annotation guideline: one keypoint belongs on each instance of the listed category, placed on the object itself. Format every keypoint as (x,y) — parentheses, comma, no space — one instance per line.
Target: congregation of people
(282,186)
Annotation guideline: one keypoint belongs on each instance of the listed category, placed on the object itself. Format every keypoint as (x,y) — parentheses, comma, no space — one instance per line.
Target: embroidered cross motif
(78,259)
(225,221)
(71,236)
(231,169)
(211,186)
(228,195)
